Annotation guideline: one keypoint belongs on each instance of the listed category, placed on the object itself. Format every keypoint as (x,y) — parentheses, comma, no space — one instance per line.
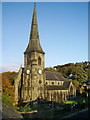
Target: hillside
(78,73)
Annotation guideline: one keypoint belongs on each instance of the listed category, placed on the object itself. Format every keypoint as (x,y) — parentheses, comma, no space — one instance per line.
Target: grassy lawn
(70,102)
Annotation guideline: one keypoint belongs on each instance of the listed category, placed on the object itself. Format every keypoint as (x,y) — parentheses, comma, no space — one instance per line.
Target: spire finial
(35,4)
(34,43)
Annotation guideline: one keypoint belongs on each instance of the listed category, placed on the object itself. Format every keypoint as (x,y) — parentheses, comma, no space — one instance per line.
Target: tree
(7,86)
(77,72)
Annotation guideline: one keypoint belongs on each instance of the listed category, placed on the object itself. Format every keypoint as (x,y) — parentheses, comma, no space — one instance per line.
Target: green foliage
(82,102)
(78,72)
(51,69)
(26,108)
(75,83)
(6,100)
(61,104)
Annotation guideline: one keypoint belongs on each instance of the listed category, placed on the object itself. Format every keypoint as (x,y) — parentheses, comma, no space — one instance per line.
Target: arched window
(52,83)
(48,95)
(54,96)
(71,90)
(60,95)
(46,83)
(39,61)
(40,81)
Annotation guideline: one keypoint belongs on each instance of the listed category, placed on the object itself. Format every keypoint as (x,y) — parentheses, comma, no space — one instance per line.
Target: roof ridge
(53,72)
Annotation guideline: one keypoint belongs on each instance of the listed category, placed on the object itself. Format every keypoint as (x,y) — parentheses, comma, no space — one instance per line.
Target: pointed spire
(34,4)
(34,44)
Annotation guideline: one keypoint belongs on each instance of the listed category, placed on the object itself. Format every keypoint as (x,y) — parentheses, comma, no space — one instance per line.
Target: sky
(63,32)
(45,0)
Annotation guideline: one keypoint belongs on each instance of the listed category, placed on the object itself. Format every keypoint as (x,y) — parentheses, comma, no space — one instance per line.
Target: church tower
(33,78)
(32,81)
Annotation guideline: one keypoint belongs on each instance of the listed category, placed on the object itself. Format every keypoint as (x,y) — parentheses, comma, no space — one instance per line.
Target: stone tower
(33,65)
(30,81)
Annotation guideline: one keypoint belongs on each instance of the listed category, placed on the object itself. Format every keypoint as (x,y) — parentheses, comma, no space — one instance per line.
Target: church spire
(34,44)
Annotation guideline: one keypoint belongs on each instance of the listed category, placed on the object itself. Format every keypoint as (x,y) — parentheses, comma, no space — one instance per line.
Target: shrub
(61,104)
(26,108)
(6,100)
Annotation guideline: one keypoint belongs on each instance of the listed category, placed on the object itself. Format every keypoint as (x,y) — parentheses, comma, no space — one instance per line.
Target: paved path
(80,114)
(49,114)
(44,114)
(83,114)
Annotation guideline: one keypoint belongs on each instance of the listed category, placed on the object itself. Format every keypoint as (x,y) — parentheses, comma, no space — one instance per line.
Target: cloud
(10,68)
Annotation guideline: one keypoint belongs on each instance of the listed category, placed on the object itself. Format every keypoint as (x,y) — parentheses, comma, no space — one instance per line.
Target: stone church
(33,81)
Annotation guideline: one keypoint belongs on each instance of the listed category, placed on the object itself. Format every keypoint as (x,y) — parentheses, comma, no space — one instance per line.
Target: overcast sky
(63,32)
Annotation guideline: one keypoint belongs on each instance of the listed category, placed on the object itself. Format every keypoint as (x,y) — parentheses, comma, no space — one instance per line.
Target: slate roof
(34,43)
(55,76)
(65,86)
